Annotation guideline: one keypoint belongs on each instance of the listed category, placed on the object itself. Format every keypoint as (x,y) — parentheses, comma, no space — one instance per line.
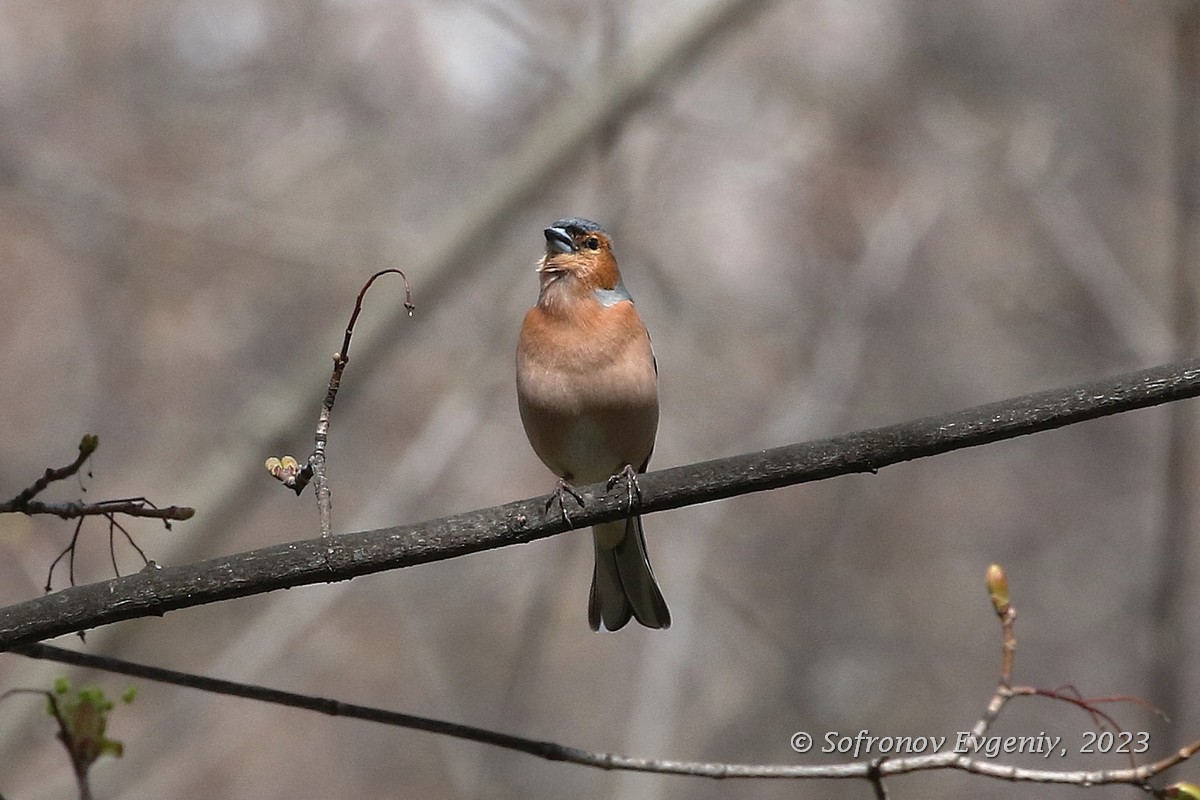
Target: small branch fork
(24,503)
(287,470)
(998,590)
(873,772)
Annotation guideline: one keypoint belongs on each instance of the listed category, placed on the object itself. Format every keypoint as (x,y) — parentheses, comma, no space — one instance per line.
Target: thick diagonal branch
(155,592)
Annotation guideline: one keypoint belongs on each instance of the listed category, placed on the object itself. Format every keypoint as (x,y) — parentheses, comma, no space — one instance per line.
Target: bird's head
(579,259)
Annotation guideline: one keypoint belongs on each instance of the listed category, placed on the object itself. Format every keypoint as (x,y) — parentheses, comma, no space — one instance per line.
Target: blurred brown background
(834,215)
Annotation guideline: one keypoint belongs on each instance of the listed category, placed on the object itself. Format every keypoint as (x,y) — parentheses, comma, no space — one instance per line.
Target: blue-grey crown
(577,225)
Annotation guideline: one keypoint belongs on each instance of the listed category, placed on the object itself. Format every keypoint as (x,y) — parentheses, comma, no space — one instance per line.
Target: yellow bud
(284,469)
(997,584)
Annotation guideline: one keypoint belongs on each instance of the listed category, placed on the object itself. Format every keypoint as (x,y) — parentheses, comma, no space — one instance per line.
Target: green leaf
(84,721)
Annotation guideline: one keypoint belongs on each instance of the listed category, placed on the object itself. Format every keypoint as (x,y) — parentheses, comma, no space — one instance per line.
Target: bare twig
(285,469)
(109,509)
(69,553)
(997,585)
(24,503)
(1135,700)
(130,507)
(87,446)
(113,527)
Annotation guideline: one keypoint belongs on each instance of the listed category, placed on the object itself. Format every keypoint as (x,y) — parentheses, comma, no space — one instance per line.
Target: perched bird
(587,389)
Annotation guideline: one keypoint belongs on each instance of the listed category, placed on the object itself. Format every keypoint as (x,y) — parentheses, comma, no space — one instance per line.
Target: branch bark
(153,591)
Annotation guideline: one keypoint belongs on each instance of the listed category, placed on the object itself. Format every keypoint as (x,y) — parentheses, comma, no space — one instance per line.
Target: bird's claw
(561,488)
(629,475)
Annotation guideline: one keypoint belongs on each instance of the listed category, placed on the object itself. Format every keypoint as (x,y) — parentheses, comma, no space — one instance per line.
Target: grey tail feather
(623,585)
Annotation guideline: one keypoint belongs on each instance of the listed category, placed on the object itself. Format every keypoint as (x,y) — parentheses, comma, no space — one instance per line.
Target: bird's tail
(623,584)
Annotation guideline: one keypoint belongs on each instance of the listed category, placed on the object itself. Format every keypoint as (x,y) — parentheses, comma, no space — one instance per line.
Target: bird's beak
(558,241)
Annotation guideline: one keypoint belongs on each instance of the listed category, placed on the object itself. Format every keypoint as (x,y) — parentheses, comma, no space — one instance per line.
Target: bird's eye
(592,243)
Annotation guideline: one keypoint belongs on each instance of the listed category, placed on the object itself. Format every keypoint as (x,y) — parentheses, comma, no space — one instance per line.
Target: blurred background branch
(1174,593)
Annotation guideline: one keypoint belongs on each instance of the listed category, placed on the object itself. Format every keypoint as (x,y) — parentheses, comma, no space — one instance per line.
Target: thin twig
(130,507)
(286,469)
(997,583)
(1134,699)
(69,550)
(87,446)
(24,503)
(340,360)
(113,525)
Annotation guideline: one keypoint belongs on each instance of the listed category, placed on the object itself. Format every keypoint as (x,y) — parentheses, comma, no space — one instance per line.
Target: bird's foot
(629,475)
(560,489)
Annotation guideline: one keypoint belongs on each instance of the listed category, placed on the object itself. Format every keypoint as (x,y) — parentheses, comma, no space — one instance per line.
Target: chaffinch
(587,389)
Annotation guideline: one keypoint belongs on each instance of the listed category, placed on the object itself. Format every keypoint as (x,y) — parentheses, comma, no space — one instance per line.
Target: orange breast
(587,390)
